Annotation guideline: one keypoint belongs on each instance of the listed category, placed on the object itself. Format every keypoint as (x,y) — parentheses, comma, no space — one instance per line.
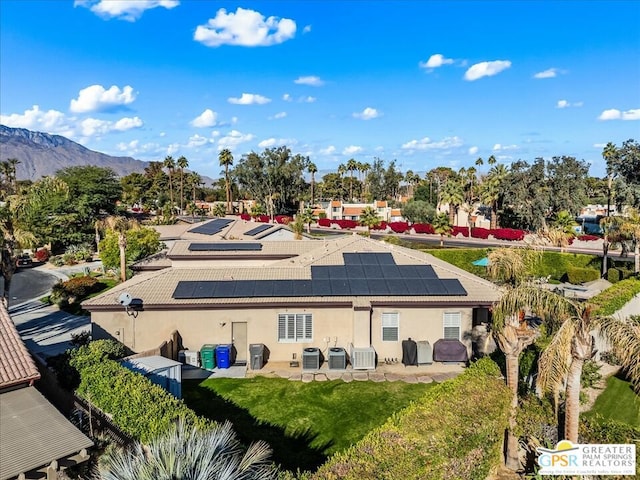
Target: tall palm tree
(120,225)
(312,169)
(342,169)
(365,167)
(369,217)
(630,227)
(453,194)
(170,164)
(442,226)
(352,166)
(182,164)
(188,453)
(226,160)
(609,153)
(492,190)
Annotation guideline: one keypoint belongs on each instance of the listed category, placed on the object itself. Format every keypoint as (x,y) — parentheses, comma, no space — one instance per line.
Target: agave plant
(188,453)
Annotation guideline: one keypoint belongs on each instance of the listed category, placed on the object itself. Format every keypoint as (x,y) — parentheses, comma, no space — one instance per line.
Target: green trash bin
(208,356)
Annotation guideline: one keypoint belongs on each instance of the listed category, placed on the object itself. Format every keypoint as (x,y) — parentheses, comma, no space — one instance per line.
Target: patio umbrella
(483,262)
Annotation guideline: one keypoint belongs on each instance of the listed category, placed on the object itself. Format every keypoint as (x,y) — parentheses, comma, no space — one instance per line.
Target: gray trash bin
(256,351)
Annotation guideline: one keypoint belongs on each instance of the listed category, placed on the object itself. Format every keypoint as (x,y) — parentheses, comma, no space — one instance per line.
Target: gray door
(239,337)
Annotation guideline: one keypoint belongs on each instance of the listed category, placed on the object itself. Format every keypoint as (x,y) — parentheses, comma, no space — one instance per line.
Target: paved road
(30,283)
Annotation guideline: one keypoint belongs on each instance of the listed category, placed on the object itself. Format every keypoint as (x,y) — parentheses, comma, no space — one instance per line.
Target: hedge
(578,275)
(245,216)
(423,228)
(615,297)
(455,431)
(455,231)
(137,406)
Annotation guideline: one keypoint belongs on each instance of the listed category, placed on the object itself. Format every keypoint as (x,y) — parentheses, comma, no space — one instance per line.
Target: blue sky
(426,83)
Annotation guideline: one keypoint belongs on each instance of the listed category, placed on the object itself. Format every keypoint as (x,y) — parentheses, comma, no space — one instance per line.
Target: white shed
(160,370)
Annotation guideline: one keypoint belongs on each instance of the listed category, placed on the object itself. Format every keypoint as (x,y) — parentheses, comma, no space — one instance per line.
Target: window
(390,327)
(452,321)
(295,327)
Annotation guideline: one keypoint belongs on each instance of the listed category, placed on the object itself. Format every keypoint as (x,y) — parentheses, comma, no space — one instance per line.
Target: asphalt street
(29,283)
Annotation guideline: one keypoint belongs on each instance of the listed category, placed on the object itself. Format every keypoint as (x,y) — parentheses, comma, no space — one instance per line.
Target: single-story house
(351,292)
(36,440)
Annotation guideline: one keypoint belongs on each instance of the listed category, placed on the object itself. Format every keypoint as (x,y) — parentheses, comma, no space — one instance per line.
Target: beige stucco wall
(331,327)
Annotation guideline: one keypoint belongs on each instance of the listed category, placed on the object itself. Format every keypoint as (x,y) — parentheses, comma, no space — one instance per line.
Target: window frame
(452,318)
(390,316)
(298,327)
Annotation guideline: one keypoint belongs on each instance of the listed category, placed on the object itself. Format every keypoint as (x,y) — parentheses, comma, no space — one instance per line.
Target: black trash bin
(256,351)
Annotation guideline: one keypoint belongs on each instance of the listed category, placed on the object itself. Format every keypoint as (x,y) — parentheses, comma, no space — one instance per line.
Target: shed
(160,370)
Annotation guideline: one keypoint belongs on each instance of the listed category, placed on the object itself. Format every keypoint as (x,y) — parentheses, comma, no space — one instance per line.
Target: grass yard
(618,402)
(303,422)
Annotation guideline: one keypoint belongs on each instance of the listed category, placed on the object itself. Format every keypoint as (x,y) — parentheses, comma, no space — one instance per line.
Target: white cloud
(367,114)
(127,123)
(233,139)
(173,148)
(486,69)
(286,97)
(436,61)
(135,148)
(129,10)
(208,118)
(549,73)
(276,142)
(96,98)
(278,116)
(330,150)
(246,28)
(501,148)
(306,29)
(197,141)
(163,134)
(309,80)
(51,121)
(308,99)
(615,114)
(249,99)
(90,127)
(426,144)
(566,104)
(351,150)
(599,145)
(473,150)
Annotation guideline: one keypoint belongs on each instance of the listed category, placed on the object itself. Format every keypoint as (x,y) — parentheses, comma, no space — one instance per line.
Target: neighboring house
(351,292)
(337,210)
(36,440)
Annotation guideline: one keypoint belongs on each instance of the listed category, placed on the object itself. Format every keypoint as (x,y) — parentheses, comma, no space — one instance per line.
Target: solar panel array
(259,229)
(212,227)
(224,247)
(362,274)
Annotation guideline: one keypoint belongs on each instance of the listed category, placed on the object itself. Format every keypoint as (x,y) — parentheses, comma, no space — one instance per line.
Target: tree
(312,169)
(182,164)
(307,218)
(187,453)
(441,226)
(135,188)
(298,227)
(567,179)
(352,166)
(170,164)
(332,187)
(219,210)
(453,195)
(226,160)
(526,195)
(119,226)
(492,190)
(630,227)
(418,211)
(511,265)
(369,218)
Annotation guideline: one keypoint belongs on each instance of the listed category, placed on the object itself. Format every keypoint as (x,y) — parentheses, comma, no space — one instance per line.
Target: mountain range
(43,154)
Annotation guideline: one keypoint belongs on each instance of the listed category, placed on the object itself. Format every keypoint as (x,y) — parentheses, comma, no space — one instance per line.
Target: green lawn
(303,422)
(618,402)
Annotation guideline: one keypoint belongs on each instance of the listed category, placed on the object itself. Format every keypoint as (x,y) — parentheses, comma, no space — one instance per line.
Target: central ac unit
(311,358)
(337,358)
(363,358)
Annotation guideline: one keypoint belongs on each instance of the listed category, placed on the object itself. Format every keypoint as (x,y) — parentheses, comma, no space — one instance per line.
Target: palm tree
(120,225)
(226,160)
(441,226)
(312,169)
(219,210)
(609,153)
(188,453)
(453,195)
(341,171)
(182,164)
(352,166)
(170,164)
(307,218)
(630,227)
(511,266)
(369,218)
(364,168)
(298,227)
(492,190)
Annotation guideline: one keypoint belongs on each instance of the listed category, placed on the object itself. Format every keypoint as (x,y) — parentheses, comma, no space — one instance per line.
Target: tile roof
(283,248)
(157,288)
(236,230)
(16,364)
(352,211)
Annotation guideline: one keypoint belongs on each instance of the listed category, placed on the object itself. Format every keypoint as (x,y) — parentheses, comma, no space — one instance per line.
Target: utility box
(337,358)
(311,358)
(223,356)
(208,356)
(256,351)
(192,357)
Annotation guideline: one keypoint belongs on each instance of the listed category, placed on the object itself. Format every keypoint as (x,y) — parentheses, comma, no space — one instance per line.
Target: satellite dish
(124,299)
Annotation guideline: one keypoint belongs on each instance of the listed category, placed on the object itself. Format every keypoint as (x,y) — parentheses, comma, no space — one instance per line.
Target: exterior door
(239,338)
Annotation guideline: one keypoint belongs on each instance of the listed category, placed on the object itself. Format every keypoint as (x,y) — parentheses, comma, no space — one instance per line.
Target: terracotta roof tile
(16,364)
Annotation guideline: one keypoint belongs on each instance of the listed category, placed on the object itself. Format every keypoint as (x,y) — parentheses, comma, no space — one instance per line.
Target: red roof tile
(16,364)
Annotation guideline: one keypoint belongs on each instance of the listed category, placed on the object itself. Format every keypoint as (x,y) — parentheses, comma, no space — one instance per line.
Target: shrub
(456,230)
(322,215)
(324,222)
(590,374)
(614,275)
(245,216)
(56,261)
(69,259)
(587,238)
(615,297)
(423,228)
(73,290)
(399,227)
(283,219)
(347,224)
(482,233)
(511,234)
(262,218)
(577,275)
(455,431)
(42,255)
(381,226)
(596,429)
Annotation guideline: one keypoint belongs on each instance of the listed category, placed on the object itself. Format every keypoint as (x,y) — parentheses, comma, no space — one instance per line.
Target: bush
(614,275)
(345,224)
(324,222)
(262,218)
(577,275)
(283,219)
(423,228)
(598,430)
(456,230)
(455,431)
(381,226)
(615,297)
(590,374)
(73,290)
(42,255)
(399,227)
(482,233)
(245,216)
(511,234)
(587,238)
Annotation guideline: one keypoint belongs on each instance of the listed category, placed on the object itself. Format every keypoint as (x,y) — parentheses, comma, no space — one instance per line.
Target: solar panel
(426,271)
(396,286)
(224,247)
(204,290)
(372,271)
(212,227)
(390,271)
(354,271)
(358,286)
(302,288)
(283,288)
(319,272)
(434,286)
(337,272)
(352,258)
(263,288)
(321,287)
(378,286)
(453,286)
(414,287)
(224,289)
(258,229)
(244,288)
(385,259)
(340,287)
(184,289)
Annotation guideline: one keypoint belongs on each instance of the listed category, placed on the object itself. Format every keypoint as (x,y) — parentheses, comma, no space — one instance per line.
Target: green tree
(139,243)
(567,179)
(170,164)
(441,226)
(453,195)
(492,190)
(219,210)
(526,195)
(135,188)
(96,189)
(352,166)
(307,218)
(226,160)
(332,187)
(119,227)
(630,227)
(369,218)
(312,169)
(188,453)
(418,211)
(182,163)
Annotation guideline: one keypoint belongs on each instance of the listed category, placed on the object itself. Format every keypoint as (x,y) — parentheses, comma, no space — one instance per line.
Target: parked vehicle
(24,261)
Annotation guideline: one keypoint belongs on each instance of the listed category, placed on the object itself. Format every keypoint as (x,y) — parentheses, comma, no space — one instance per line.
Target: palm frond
(624,339)
(555,360)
